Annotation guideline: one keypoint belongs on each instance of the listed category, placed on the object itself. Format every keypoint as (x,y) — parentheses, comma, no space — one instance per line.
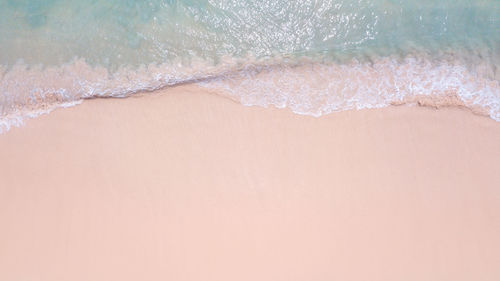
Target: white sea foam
(306,86)
(321,88)
(17,118)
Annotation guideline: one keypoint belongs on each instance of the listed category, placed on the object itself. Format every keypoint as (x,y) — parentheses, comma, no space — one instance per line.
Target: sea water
(315,57)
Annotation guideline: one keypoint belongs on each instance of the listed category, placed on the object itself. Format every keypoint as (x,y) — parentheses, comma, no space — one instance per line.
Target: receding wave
(321,88)
(309,87)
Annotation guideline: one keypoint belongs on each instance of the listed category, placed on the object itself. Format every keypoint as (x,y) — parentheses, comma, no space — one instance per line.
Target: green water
(120,32)
(365,53)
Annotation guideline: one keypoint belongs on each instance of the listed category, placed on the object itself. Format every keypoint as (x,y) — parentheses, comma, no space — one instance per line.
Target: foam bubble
(305,85)
(321,88)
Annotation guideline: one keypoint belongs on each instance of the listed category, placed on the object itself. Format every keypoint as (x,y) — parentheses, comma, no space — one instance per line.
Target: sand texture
(186,185)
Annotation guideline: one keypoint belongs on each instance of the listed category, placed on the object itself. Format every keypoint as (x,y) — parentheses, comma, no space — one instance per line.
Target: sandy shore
(184,185)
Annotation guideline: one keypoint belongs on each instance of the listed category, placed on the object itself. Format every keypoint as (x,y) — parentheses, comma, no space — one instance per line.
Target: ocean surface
(314,57)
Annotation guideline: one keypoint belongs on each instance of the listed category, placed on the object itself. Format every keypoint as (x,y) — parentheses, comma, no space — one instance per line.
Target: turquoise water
(55,52)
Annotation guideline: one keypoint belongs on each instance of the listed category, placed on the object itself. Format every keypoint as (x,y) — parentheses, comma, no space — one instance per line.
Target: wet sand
(186,185)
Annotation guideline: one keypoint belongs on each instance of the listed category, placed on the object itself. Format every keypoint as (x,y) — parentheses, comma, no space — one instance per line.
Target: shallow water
(315,57)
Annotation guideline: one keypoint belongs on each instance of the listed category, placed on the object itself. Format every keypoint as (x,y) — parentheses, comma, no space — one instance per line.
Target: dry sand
(184,185)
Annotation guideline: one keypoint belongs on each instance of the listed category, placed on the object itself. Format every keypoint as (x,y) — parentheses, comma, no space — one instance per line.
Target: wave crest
(307,86)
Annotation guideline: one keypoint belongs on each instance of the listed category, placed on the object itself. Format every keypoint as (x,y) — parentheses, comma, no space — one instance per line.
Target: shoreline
(187,185)
(306,86)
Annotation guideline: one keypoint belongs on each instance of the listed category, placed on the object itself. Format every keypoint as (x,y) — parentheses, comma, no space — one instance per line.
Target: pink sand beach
(186,185)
